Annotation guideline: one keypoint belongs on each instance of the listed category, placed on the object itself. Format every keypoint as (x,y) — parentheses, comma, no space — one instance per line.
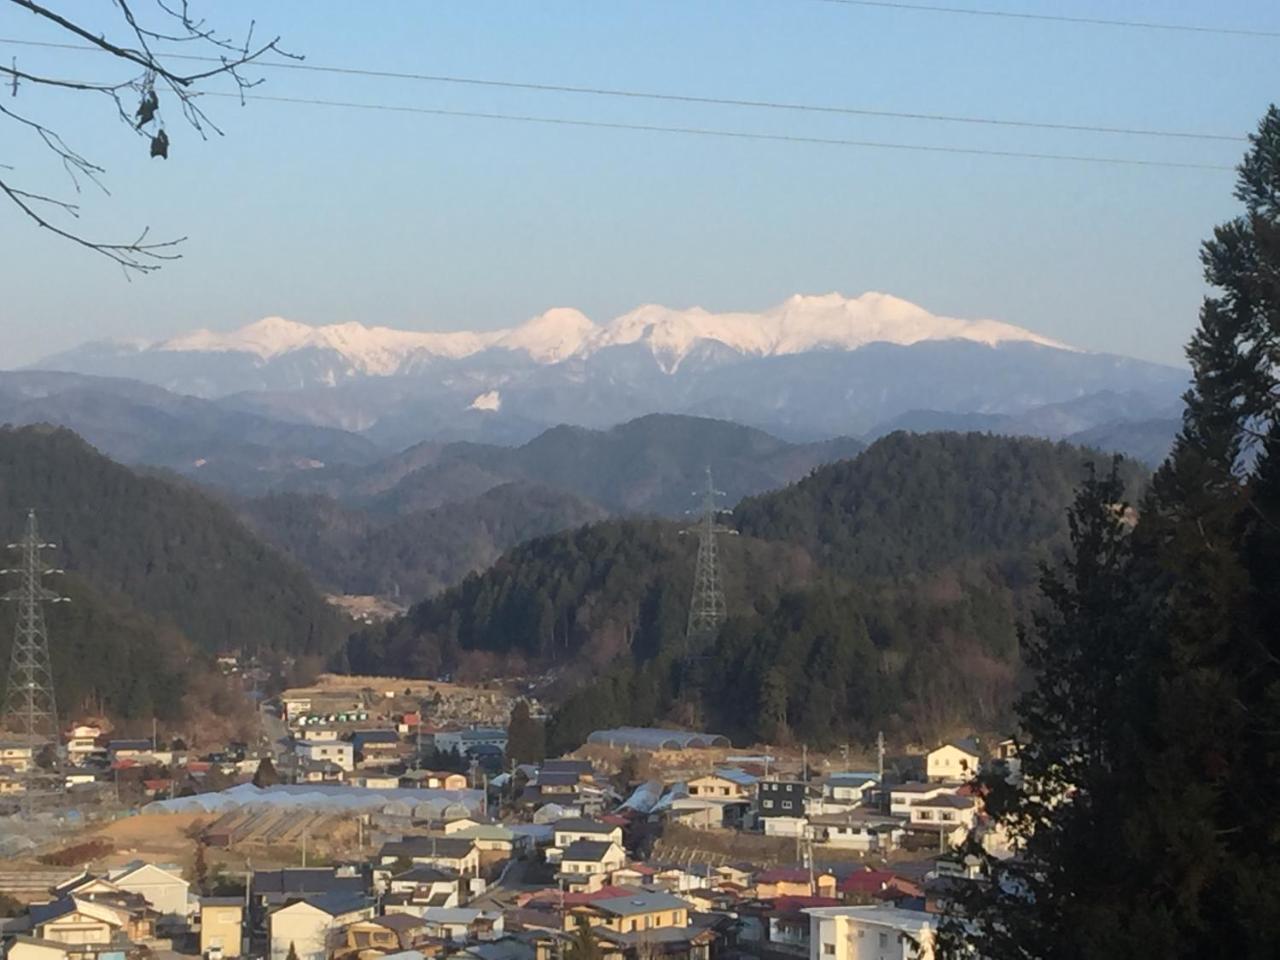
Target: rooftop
(642,901)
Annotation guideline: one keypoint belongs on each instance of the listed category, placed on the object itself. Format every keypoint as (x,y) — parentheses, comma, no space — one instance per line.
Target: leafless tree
(139,50)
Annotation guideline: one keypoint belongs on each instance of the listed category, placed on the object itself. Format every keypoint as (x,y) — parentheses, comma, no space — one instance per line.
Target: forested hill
(161,556)
(913,502)
(881,592)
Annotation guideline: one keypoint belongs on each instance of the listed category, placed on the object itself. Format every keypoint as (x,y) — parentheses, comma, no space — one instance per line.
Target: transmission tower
(31,711)
(707,607)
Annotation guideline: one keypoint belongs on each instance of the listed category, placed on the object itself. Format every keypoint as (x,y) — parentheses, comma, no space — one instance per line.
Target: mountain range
(810,368)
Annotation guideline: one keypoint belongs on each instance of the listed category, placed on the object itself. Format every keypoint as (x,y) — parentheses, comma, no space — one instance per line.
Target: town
(366,826)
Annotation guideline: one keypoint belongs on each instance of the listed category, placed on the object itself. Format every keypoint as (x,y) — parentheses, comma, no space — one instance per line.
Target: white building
(870,933)
(953,762)
(462,740)
(165,890)
(310,926)
(903,795)
(338,752)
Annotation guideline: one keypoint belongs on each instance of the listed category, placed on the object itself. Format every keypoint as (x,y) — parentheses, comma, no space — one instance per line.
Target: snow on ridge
(799,324)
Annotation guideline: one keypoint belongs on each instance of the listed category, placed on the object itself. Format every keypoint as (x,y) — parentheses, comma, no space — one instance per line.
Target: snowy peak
(552,336)
(797,325)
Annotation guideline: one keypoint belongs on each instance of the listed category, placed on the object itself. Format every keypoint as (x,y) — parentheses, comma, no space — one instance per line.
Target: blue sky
(325,215)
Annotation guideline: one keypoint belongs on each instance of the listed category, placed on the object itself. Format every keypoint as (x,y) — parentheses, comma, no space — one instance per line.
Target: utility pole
(880,756)
(31,710)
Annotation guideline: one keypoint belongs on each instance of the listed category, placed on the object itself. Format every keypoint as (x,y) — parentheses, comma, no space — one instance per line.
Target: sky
(427,222)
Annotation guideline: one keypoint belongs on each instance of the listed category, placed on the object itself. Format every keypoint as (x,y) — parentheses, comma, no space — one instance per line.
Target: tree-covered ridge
(847,615)
(912,502)
(170,551)
(347,550)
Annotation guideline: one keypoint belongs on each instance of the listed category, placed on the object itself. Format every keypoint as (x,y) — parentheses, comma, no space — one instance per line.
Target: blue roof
(740,777)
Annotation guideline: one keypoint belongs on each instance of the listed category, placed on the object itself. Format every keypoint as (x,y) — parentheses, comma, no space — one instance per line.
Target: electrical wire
(731,134)
(686,98)
(1059,18)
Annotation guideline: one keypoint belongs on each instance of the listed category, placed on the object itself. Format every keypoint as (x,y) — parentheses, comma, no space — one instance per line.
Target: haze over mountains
(812,367)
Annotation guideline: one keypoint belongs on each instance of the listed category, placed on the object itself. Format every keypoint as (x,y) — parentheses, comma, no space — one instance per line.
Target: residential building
(949,809)
(82,742)
(781,798)
(793,882)
(165,890)
(16,755)
(638,911)
(585,863)
(376,746)
(903,795)
(870,933)
(849,789)
(386,934)
(337,752)
(447,741)
(953,762)
(857,830)
(460,924)
(311,926)
(450,853)
(727,784)
(573,829)
(221,926)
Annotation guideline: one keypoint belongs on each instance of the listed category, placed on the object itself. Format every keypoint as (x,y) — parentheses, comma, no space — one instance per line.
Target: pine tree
(200,869)
(526,738)
(1153,731)
(293,952)
(265,775)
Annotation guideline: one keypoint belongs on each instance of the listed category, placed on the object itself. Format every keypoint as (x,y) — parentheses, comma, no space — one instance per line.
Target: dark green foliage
(526,738)
(416,554)
(174,552)
(1158,701)
(913,502)
(266,775)
(159,576)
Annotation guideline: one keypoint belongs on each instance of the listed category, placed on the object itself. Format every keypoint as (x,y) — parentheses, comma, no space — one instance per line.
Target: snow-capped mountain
(808,368)
(342,351)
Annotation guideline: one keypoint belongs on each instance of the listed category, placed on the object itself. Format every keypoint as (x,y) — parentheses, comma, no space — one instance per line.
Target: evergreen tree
(1143,810)
(266,775)
(293,952)
(526,738)
(583,944)
(200,870)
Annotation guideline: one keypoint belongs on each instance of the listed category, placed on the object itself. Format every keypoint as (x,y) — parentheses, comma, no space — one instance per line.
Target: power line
(731,134)
(777,105)
(1058,18)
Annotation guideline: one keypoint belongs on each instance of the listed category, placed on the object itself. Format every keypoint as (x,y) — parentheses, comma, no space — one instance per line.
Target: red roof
(866,881)
(124,764)
(785,875)
(157,785)
(199,766)
(615,820)
(793,905)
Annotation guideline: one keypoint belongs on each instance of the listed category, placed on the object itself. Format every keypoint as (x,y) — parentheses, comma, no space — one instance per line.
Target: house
(903,795)
(638,911)
(82,742)
(424,886)
(433,780)
(376,746)
(781,798)
(310,927)
(318,771)
(857,830)
(583,769)
(130,749)
(949,809)
(295,707)
(337,752)
(849,789)
(461,923)
(873,886)
(221,926)
(386,934)
(378,781)
(272,888)
(570,831)
(495,839)
(953,762)
(447,741)
(794,882)
(778,927)
(459,854)
(870,933)
(727,784)
(585,863)
(16,755)
(165,890)
(82,921)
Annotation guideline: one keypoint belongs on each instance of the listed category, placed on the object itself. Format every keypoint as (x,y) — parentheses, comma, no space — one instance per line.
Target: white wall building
(338,752)
(870,933)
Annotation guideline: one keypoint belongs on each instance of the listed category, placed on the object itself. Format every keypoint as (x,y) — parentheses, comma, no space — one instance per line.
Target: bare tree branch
(156,82)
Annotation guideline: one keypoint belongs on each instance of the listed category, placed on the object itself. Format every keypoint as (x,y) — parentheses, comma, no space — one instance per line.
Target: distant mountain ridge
(800,324)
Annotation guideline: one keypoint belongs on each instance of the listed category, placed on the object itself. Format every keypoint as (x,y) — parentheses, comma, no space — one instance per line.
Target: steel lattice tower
(707,607)
(31,710)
